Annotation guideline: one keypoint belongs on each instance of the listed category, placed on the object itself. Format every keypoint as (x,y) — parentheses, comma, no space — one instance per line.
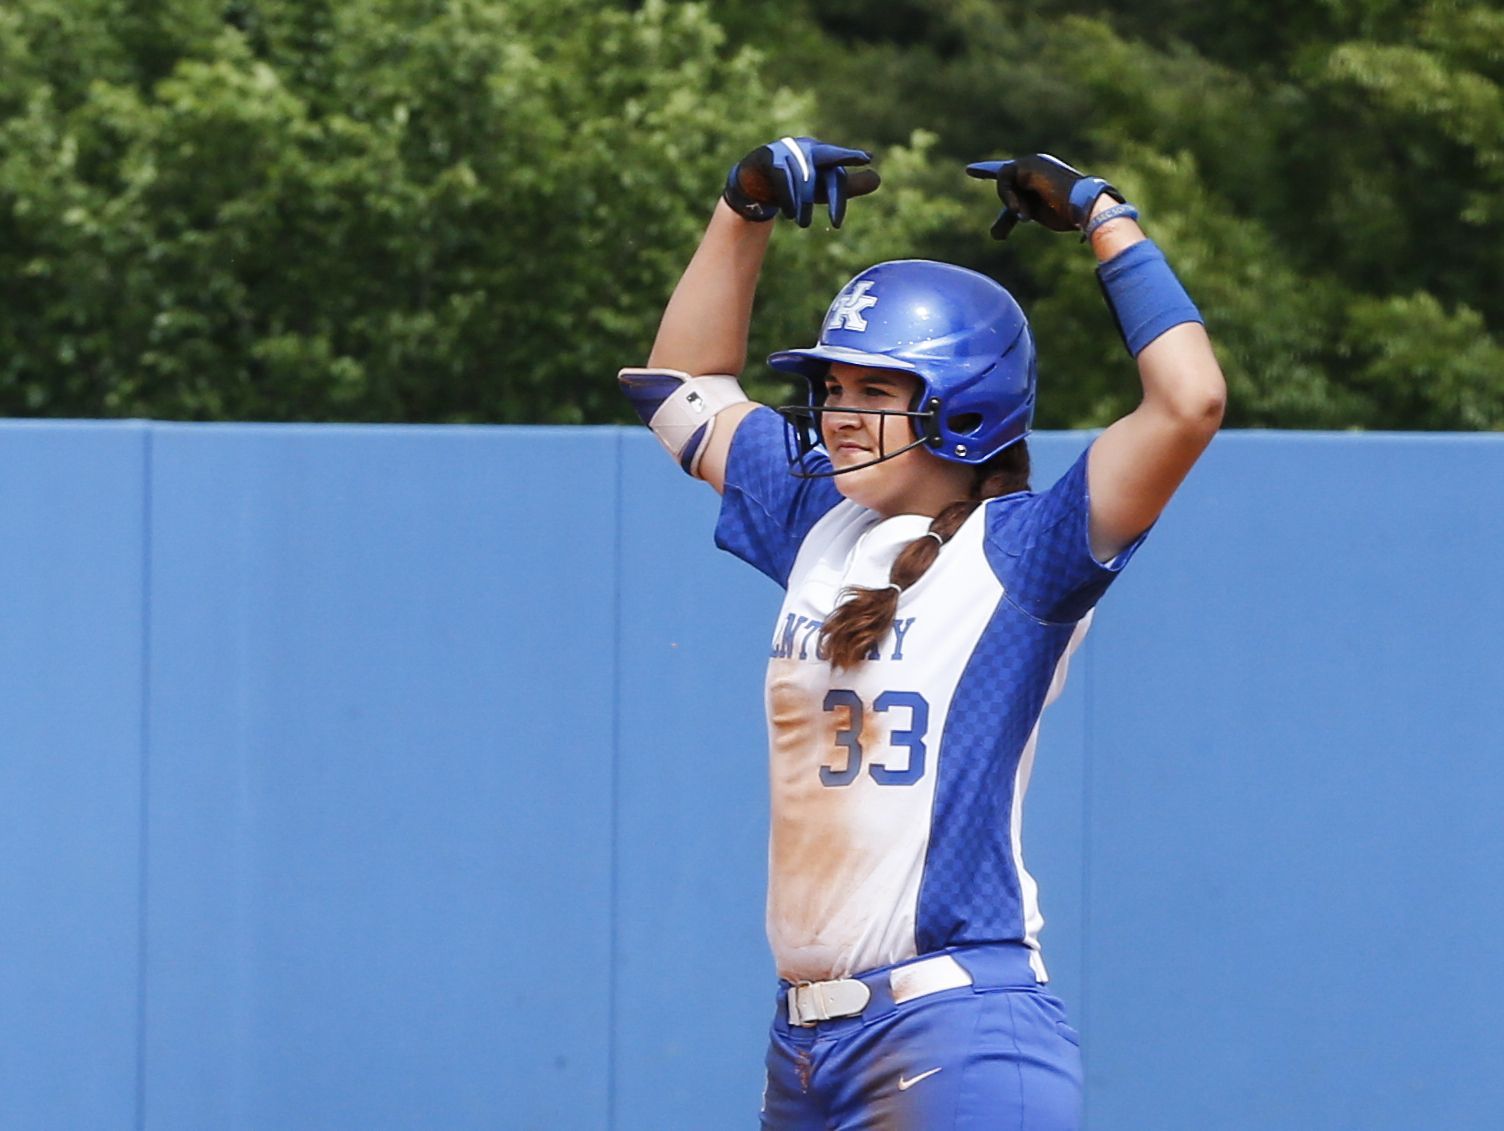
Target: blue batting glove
(790,176)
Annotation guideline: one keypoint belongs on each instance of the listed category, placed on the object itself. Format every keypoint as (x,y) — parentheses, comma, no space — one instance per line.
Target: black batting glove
(1043,189)
(790,176)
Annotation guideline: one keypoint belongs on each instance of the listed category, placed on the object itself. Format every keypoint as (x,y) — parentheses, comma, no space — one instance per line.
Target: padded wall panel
(1295,863)
(71,582)
(694,978)
(380,813)
(455,806)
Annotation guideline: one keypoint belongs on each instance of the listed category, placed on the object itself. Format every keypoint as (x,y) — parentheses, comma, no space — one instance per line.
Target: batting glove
(1043,189)
(790,176)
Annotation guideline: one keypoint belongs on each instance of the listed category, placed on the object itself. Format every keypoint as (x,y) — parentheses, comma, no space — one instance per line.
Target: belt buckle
(796,1015)
(813,1002)
(806,1006)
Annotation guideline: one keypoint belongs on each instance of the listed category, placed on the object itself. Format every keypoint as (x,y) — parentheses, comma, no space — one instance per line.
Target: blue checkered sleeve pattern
(765,511)
(971,888)
(1039,547)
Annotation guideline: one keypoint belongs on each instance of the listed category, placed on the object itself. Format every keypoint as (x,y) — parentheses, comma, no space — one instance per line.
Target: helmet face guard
(958,332)
(802,437)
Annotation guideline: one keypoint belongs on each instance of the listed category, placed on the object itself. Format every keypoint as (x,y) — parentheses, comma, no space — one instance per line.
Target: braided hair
(861,621)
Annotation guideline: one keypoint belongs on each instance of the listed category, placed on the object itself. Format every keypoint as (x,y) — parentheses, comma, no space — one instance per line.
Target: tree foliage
(475,209)
(399,210)
(1325,177)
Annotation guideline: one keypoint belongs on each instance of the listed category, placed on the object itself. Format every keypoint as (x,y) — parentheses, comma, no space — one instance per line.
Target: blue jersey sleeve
(1039,545)
(765,511)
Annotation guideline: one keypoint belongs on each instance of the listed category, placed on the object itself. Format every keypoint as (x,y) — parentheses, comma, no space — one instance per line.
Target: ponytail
(859,623)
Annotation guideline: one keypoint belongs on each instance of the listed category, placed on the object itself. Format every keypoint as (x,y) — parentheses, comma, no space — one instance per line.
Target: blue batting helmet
(959,332)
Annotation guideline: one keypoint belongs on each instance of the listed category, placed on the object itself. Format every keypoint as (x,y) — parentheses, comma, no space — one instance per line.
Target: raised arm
(1140,460)
(703,333)
(704,327)
(1136,465)
(688,393)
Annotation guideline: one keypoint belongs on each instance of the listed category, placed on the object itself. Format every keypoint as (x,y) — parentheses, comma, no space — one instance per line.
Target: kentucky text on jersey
(799,638)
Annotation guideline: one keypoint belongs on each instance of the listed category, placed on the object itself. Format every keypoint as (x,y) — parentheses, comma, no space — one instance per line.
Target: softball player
(933,603)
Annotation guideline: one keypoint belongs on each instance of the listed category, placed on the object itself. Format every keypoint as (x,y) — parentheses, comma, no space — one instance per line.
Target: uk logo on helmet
(846,311)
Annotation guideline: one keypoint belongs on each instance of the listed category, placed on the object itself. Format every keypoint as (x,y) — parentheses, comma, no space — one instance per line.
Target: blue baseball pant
(995,1055)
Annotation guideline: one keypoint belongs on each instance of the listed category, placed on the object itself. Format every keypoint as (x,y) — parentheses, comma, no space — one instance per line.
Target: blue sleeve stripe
(648,392)
(691,449)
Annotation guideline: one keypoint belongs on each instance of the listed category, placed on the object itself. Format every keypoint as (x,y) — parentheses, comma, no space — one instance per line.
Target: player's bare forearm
(704,328)
(1180,374)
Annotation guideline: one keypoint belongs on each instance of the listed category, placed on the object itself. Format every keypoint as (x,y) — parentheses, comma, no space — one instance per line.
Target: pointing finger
(985,170)
(823,154)
(835,194)
(1006,219)
(859,182)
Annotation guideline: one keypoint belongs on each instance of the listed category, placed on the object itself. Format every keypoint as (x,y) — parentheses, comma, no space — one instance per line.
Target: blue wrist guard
(1144,295)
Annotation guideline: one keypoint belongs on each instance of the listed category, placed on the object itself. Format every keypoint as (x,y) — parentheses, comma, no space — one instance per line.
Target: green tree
(1325,177)
(475,209)
(401,210)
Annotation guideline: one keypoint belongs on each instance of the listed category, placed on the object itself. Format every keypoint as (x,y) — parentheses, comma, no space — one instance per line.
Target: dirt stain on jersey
(789,710)
(811,851)
(805,1066)
(874,735)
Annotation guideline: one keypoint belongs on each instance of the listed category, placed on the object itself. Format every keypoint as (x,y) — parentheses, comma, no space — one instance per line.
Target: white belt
(813,1002)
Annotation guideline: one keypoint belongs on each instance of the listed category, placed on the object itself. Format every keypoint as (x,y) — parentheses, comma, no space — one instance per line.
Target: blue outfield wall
(377,777)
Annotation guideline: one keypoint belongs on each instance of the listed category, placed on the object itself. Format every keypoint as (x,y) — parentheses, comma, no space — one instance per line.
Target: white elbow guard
(680,409)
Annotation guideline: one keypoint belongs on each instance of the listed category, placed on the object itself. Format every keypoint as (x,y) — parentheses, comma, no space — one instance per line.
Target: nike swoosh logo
(905,1085)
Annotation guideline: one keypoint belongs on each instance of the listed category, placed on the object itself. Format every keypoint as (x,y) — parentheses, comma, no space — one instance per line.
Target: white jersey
(897,786)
